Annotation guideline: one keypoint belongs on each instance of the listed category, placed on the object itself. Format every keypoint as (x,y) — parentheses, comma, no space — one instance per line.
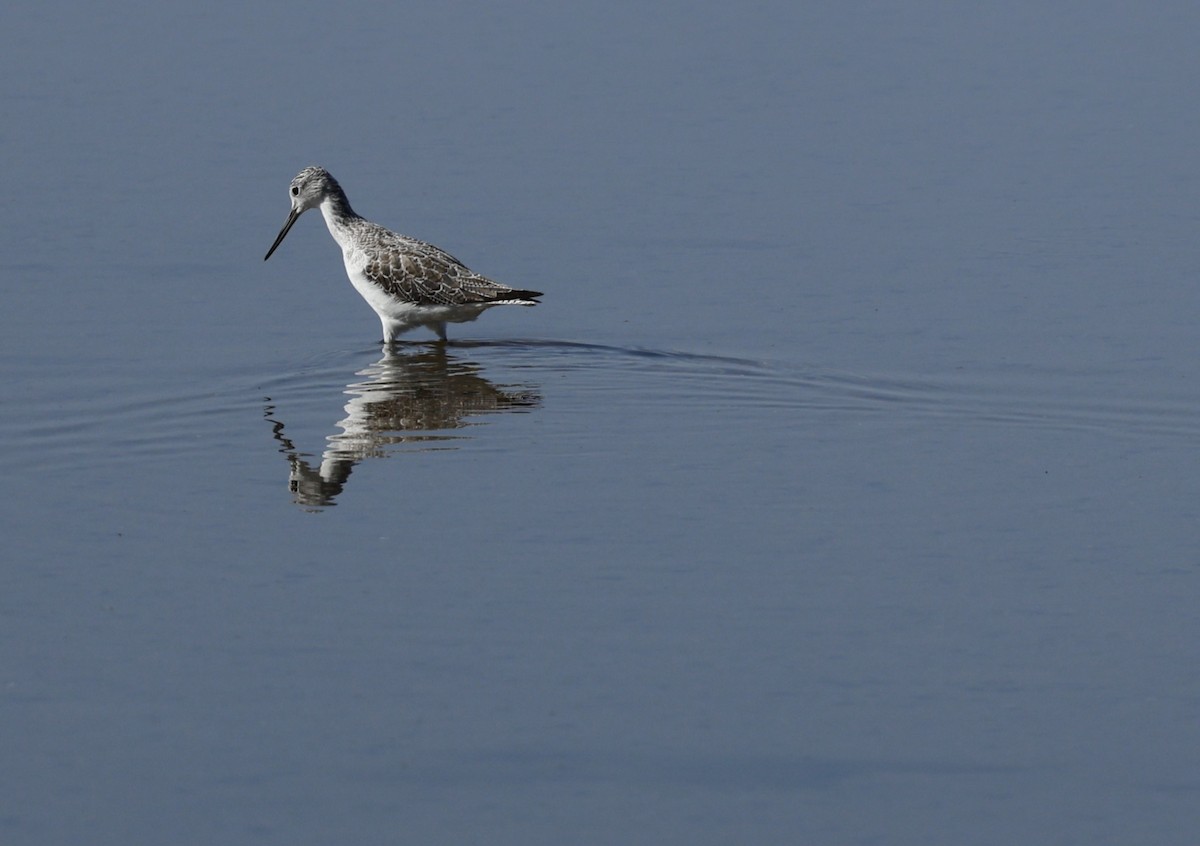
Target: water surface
(840,491)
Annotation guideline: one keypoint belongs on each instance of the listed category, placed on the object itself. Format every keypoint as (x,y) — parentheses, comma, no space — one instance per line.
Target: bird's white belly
(399,316)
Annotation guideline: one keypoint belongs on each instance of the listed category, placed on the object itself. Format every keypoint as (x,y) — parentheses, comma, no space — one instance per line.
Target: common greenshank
(408,282)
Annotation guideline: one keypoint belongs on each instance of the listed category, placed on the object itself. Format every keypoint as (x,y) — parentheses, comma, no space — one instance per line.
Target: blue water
(841,490)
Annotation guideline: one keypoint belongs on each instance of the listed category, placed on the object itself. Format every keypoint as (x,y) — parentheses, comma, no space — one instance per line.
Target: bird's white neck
(338,215)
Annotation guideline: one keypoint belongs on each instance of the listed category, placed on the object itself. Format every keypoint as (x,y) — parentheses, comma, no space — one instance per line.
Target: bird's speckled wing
(420,273)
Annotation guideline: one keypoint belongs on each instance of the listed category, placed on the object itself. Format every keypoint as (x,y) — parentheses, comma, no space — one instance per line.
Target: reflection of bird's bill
(293,216)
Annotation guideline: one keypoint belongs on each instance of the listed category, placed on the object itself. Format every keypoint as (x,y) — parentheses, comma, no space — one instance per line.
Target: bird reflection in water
(403,399)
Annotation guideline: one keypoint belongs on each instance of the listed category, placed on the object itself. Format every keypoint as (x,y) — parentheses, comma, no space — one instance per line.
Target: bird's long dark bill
(292,218)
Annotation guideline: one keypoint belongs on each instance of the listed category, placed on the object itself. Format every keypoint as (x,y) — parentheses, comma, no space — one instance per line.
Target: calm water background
(843,489)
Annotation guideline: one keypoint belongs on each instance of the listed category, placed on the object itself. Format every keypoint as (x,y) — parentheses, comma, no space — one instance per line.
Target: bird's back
(421,273)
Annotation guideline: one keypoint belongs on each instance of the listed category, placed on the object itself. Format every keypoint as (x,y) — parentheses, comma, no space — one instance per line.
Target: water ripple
(66,416)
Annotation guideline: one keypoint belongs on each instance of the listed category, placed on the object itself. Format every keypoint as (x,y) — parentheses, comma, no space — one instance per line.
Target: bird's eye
(295,191)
